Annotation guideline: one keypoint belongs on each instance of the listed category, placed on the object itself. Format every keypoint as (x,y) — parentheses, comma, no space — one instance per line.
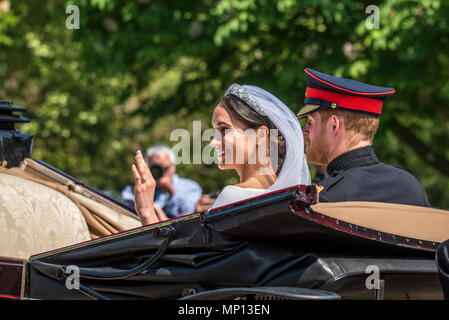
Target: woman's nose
(213,142)
(216,141)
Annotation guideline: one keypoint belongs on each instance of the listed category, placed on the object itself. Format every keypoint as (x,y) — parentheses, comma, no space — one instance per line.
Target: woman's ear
(262,134)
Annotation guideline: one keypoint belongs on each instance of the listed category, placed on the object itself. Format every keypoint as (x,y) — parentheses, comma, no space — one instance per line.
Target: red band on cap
(346,100)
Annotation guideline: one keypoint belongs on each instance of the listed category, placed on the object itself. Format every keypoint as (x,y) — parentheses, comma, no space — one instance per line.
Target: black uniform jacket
(442,261)
(358,175)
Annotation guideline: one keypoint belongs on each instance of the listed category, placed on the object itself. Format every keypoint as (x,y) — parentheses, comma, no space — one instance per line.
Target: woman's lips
(221,155)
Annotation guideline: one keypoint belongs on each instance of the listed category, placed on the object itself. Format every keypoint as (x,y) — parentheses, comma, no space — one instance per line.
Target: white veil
(294,169)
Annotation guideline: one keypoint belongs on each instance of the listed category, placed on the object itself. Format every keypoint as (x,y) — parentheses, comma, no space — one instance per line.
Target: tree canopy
(136,70)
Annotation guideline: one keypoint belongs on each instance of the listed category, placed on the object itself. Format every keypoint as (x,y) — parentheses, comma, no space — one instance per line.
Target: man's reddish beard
(317,151)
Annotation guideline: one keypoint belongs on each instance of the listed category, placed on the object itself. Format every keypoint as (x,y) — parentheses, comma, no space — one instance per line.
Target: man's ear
(336,124)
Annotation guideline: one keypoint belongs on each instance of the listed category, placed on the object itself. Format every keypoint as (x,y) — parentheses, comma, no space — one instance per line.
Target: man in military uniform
(343,116)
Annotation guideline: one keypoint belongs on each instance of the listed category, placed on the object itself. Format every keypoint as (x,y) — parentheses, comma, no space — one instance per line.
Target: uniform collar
(355,158)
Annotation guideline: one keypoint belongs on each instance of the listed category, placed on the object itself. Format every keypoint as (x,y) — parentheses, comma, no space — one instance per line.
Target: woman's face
(235,145)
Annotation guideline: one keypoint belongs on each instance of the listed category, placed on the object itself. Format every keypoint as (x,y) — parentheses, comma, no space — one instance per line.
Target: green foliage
(136,70)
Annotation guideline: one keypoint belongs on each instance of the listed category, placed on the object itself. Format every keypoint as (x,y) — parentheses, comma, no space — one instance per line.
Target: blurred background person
(174,195)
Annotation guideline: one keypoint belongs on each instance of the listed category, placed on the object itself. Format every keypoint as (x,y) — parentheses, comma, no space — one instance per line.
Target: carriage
(69,241)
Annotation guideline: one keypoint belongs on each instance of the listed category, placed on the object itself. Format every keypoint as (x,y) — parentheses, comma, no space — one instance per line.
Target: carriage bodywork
(279,245)
(273,245)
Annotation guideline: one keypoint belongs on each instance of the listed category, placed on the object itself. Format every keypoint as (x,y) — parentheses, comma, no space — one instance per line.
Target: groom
(343,116)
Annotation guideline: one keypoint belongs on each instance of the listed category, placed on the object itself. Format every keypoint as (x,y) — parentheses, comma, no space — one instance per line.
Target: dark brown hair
(244,116)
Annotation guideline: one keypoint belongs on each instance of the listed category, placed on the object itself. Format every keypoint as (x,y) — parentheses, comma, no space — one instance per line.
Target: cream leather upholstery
(403,220)
(35,218)
(41,210)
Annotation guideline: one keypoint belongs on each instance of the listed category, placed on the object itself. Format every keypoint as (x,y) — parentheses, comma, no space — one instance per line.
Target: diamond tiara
(238,91)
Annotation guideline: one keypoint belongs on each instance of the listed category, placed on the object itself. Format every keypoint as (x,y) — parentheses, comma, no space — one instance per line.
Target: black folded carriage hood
(271,241)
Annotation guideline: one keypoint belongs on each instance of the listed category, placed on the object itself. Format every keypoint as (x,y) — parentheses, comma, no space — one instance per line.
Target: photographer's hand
(165,183)
(144,188)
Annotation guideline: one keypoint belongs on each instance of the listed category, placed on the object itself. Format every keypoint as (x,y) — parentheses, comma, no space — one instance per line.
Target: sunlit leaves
(138,69)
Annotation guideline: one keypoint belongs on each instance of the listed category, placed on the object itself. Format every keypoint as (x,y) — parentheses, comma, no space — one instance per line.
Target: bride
(248,122)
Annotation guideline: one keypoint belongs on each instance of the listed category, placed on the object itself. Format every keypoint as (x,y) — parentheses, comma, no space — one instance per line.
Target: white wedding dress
(294,169)
(231,194)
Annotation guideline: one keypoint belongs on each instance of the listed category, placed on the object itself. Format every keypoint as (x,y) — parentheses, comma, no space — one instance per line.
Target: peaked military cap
(325,91)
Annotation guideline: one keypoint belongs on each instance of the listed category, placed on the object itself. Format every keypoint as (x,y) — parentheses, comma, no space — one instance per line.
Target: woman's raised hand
(144,189)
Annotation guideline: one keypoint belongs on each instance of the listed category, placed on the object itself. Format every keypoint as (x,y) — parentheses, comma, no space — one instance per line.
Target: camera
(157,171)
